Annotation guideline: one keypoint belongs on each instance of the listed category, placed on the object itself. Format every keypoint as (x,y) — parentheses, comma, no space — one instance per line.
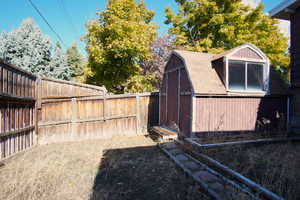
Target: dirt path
(122,168)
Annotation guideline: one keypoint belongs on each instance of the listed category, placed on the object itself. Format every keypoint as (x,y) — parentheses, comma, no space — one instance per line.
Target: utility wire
(68,16)
(46,21)
(70,21)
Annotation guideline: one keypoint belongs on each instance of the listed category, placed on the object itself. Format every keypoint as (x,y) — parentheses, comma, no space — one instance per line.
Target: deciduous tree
(160,51)
(217,25)
(118,42)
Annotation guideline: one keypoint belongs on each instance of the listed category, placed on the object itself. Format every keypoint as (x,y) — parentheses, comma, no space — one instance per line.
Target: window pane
(236,75)
(255,76)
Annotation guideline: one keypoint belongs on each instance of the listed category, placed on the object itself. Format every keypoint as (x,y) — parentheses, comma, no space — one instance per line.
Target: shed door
(172,99)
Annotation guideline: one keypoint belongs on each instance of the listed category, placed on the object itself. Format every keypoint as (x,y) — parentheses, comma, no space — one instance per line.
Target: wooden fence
(102,117)
(43,110)
(17,110)
(54,88)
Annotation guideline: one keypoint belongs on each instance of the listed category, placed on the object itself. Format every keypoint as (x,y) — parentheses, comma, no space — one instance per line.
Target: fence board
(17,110)
(96,117)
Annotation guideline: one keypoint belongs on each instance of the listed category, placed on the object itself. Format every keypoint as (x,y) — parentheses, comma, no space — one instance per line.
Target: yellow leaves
(214,25)
(118,41)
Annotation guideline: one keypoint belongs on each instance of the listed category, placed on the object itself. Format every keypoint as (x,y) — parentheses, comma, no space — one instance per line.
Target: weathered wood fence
(17,110)
(101,117)
(43,110)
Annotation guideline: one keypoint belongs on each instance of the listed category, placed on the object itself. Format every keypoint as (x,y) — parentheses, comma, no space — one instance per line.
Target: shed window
(245,75)
(237,75)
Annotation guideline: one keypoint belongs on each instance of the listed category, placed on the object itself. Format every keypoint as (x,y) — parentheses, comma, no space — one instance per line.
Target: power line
(46,21)
(70,21)
(68,16)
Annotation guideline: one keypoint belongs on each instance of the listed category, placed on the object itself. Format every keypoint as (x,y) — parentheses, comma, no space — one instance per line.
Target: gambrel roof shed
(203,68)
(202,92)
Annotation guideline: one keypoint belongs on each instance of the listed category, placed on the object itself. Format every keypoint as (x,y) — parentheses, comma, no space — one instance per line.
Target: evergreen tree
(75,61)
(118,42)
(58,66)
(28,48)
(217,25)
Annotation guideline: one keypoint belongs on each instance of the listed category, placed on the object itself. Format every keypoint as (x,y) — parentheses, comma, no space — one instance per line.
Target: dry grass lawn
(275,166)
(121,168)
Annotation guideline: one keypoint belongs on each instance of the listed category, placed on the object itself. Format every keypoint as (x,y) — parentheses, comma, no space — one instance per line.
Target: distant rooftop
(283,10)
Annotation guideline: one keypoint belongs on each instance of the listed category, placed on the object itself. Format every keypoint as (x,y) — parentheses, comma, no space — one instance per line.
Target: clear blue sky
(80,11)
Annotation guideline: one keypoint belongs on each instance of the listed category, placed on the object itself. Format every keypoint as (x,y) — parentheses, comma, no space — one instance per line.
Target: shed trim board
(178,97)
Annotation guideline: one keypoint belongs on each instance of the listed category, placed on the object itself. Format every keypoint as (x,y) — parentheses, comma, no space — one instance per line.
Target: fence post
(104,106)
(37,108)
(138,114)
(74,117)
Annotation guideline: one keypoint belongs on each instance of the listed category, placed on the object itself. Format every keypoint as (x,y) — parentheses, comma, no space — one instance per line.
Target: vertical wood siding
(172,95)
(247,53)
(173,64)
(235,114)
(185,119)
(17,110)
(175,97)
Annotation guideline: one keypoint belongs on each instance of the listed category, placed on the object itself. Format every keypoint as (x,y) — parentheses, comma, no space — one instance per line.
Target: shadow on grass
(141,173)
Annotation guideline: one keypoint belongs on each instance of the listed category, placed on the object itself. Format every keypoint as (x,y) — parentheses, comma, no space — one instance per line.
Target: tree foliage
(58,65)
(217,25)
(28,48)
(118,42)
(75,61)
(160,51)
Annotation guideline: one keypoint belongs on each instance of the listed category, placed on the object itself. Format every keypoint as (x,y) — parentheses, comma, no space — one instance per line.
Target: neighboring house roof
(283,10)
(205,79)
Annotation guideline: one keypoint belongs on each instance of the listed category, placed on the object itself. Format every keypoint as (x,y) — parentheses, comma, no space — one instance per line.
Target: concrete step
(213,183)
(247,186)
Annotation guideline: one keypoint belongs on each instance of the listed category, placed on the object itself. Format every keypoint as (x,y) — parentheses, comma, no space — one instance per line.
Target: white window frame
(265,75)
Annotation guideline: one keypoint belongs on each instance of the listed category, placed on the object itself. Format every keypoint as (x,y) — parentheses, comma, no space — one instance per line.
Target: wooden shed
(236,91)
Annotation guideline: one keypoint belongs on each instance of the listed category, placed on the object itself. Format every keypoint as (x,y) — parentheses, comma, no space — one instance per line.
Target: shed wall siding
(172,95)
(233,114)
(185,104)
(175,97)
(174,62)
(247,53)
